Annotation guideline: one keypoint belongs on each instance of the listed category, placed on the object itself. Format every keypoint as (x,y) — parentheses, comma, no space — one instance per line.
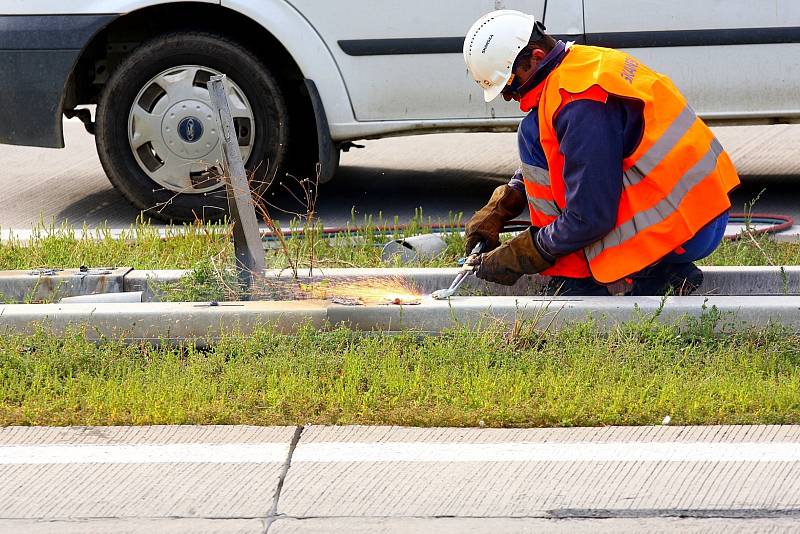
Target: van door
(403,60)
(400,60)
(733,59)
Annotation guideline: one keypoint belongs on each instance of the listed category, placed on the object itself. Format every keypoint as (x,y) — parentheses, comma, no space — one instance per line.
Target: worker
(623,181)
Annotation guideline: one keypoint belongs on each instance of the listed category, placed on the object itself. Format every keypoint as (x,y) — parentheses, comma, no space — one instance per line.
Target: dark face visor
(514,88)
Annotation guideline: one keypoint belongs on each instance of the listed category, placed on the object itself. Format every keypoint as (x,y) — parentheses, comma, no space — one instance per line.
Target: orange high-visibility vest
(675,182)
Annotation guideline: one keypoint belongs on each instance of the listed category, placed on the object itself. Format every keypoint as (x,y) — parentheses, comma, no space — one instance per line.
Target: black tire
(269,110)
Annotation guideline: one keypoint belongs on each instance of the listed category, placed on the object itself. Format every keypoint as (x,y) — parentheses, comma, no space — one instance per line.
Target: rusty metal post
(246,237)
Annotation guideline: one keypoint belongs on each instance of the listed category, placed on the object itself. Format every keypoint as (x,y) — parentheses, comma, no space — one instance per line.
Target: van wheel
(157,137)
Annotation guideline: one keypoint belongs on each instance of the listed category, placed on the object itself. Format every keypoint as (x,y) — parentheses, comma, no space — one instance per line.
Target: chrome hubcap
(173,134)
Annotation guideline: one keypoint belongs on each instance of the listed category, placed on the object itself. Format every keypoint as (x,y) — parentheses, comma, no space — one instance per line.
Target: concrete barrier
(162,321)
(176,321)
(52,285)
(608,312)
(718,280)
(733,280)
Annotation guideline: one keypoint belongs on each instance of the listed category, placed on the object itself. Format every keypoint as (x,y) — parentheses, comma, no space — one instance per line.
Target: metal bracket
(48,285)
(246,236)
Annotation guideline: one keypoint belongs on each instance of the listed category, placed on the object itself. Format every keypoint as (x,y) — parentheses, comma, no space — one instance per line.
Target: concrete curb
(732,280)
(162,321)
(608,312)
(176,321)
(41,286)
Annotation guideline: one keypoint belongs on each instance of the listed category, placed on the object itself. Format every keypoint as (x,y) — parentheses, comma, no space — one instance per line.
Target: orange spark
(374,290)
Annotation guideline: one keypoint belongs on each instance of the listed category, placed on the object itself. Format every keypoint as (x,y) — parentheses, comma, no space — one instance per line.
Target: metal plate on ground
(50,285)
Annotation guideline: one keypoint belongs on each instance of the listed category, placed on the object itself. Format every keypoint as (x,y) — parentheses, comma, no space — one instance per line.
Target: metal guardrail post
(246,237)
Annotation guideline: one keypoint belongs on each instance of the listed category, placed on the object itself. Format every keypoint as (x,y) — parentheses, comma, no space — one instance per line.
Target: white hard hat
(493,44)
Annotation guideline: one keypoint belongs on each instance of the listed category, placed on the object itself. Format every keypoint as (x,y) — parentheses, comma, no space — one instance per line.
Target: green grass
(207,249)
(634,375)
(760,251)
(143,248)
(140,248)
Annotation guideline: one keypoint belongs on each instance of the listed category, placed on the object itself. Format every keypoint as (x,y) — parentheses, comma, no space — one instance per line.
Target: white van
(308,77)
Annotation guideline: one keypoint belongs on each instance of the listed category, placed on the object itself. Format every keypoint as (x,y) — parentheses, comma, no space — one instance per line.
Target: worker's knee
(702,244)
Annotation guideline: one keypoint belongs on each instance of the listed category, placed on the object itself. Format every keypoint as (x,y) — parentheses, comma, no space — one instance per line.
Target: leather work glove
(487,223)
(512,259)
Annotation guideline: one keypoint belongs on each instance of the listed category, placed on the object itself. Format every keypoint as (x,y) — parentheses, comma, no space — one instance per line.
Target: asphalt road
(440,173)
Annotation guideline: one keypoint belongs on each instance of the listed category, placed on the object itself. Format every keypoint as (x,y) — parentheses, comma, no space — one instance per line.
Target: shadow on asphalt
(399,192)
(776,193)
(368,191)
(108,205)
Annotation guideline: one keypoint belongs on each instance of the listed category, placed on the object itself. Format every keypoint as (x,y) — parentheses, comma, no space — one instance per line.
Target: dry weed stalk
(749,230)
(306,197)
(305,192)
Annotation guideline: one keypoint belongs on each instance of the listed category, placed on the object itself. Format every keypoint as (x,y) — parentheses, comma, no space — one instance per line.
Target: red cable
(787,223)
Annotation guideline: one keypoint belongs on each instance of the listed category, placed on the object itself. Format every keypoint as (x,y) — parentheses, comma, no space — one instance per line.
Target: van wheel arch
(309,120)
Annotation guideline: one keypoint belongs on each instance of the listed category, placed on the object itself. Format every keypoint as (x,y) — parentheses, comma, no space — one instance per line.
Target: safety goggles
(512,86)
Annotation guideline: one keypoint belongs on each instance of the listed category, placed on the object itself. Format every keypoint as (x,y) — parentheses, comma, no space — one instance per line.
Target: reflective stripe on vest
(535,174)
(539,176)
(544,210)
(668,140)
(664,208)
(543,206)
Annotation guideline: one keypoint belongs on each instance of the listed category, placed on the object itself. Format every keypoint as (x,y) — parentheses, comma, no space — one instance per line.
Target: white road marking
(207,453)
(547,452)
(329,452)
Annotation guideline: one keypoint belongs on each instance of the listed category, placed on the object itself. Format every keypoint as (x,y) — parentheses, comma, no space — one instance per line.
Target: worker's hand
(506,264)
(487,223)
